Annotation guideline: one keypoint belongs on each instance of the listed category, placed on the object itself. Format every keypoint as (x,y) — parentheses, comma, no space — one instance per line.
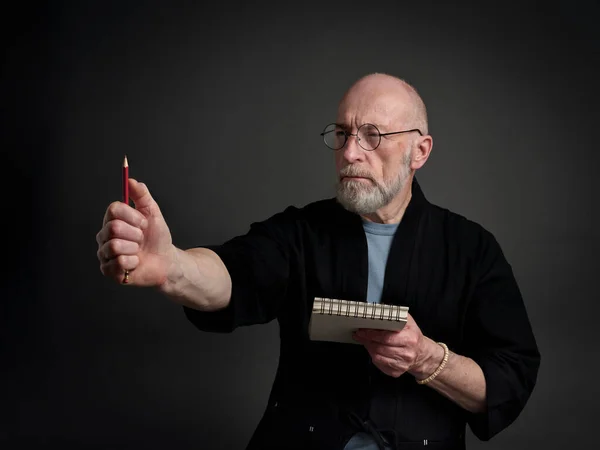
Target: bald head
(387,95)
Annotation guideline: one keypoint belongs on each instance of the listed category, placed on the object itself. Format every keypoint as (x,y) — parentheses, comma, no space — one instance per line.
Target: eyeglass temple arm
(398,132)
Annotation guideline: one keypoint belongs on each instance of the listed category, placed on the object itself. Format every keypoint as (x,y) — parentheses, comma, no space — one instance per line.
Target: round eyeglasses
(367,135)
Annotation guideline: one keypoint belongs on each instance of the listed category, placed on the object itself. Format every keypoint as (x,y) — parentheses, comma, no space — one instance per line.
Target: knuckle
(114,227)
(114,245)
(112,209)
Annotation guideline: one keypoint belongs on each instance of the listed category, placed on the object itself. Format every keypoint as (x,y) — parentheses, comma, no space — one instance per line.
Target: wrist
(429,359)
(173,271)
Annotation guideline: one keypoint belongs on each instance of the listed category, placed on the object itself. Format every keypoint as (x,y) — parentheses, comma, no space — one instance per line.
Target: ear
(421,151)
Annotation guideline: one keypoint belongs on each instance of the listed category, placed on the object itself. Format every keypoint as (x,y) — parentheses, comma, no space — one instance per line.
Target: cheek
(390,172)
(393,167)
(386,168)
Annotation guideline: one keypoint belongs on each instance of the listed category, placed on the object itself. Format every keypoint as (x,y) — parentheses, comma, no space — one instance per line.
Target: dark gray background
(219,110)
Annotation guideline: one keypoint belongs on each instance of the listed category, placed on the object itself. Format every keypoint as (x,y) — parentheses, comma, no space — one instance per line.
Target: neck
(394,210)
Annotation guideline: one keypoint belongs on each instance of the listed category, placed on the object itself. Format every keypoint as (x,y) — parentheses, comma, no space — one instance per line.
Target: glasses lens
(334,137)
(368,136)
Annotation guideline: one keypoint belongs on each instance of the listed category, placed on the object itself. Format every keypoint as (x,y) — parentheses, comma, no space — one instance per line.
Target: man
(467,354)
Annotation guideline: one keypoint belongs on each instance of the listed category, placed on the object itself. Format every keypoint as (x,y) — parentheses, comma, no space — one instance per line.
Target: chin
(356,205)
(352,207)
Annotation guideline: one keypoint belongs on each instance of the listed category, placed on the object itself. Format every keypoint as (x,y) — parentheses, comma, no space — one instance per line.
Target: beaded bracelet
(440,367)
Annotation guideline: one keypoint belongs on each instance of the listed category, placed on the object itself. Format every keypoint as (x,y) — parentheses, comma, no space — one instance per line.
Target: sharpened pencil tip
(125,163)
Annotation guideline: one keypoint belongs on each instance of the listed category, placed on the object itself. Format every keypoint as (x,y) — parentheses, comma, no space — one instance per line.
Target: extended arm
(197,278)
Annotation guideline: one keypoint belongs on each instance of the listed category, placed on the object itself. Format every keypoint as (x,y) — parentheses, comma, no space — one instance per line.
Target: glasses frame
(347,135)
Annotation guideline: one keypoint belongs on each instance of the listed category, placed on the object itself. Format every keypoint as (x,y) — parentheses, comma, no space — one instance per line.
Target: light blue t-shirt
(379,240)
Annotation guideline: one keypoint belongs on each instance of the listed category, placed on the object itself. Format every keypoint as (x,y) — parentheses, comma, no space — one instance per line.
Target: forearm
(462,380)
(198,279)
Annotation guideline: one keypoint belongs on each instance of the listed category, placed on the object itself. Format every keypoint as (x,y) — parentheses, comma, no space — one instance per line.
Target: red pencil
(125,180)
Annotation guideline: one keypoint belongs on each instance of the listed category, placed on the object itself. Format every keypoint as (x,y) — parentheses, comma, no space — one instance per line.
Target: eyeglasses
(367,135)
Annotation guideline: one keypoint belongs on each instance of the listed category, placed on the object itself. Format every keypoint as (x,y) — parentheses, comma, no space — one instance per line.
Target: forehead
(370,106)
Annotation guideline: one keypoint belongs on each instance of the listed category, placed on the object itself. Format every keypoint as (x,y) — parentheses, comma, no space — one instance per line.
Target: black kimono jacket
(449,271)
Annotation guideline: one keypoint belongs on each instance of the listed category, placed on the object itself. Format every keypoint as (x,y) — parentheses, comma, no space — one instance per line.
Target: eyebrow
(345,126)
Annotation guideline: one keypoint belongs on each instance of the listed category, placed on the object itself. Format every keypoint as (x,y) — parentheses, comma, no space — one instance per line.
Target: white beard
(367,197)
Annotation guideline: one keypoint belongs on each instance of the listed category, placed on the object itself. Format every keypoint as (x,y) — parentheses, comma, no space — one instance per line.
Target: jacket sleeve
(500,339)
(259,264)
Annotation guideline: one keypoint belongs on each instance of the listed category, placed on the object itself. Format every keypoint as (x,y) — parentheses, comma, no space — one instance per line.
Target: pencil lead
(125,163)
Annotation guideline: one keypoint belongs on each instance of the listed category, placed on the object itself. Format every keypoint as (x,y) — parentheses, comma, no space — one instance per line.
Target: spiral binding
(363,310)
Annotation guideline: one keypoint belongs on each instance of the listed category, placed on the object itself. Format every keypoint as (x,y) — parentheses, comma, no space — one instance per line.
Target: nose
(352,152)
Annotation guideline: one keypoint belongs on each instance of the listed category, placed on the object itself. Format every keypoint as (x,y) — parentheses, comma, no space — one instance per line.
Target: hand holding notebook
(335,320)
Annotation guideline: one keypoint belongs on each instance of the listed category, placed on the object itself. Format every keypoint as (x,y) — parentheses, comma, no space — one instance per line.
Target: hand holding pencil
(134,244)
(125,184)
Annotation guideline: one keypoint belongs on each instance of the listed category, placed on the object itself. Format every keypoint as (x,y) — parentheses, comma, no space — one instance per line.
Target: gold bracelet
(440,367)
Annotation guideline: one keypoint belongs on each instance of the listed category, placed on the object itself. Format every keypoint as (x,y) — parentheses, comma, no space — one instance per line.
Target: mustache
(353,171)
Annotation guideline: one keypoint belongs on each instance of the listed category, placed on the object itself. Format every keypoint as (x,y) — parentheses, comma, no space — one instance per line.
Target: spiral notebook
(335,320)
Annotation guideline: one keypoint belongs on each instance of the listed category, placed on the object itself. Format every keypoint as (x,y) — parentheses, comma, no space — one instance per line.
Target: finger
(115,247)
(380,349)
(140,195)
(117,266)
(380,336)
(124,212)
(375,347)
(396,353)
(389,366)
(117,229)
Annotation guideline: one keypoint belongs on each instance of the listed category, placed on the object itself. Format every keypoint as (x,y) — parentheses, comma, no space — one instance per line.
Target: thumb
(140,195)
